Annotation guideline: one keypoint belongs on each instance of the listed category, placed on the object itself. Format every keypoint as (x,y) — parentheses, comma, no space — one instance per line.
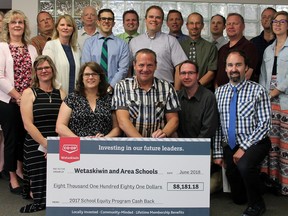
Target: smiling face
(130,23)
(106,23)
(65,28)
(145,66)
(188,75)
(91,79)
(280,25)
(174,22)
(194,25)
(44,71)
(16,26)
(154,20)
(234,27)
(89,16)
(236,68)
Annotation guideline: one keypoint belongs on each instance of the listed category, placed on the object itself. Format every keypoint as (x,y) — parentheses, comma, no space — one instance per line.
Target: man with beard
(200,50)
(263,40)
(241,140)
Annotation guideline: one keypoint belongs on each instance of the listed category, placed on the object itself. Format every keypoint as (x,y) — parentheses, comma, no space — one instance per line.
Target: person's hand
(159,134)
(99,135)
(238,154)
(18,100)
(219,162)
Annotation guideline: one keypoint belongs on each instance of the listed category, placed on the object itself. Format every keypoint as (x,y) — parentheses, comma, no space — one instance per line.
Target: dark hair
(240,52)
(269,8)
(39,60)
(103,85)
(196,13)
(146,51)
(157,8)
(43,12)
(189,62)
(223,18)
(105,10)
(236,14)
(174,11)
(130,12)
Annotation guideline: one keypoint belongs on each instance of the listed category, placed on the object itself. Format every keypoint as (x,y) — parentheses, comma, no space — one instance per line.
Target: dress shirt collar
(239,86)
(137,85)
(111,36)
(83,32)
(156,35)
(197,95)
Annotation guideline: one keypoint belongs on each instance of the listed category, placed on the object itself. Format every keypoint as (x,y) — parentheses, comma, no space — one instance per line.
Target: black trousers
(14,134)
(243,177)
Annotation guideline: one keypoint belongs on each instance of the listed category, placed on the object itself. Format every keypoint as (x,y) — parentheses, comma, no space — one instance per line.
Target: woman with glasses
(87,111)
(39,109)
(16,58)
(274,77)
(64,51)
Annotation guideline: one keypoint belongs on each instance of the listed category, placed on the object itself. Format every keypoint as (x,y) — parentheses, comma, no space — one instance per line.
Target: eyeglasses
(189,73)
(17,22)
(87,75)
(281,22)
(107,19)
(45,20)
(39,69)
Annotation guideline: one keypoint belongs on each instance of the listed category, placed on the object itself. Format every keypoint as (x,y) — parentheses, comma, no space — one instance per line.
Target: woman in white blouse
(64,51)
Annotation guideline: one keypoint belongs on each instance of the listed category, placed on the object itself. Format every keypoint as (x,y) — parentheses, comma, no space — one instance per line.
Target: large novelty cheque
(128,176)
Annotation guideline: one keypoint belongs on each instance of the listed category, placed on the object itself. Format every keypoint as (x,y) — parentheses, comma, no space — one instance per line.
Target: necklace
(50,96)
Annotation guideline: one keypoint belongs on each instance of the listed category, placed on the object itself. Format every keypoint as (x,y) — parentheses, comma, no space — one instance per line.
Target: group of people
(91,83)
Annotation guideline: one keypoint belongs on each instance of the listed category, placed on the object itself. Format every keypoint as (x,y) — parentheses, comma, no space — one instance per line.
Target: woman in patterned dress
(87,111)
(17,57)
(39,109)
(274,77)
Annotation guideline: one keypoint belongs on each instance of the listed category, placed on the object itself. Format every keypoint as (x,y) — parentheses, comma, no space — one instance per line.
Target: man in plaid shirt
(146,106)
(251,144)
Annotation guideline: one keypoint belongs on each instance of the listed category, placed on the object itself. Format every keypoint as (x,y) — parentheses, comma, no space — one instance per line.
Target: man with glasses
(45,25)
(109,51)
(169,51)
(88,18)
(263,40)
(198,117)
(200,51)
(235,26)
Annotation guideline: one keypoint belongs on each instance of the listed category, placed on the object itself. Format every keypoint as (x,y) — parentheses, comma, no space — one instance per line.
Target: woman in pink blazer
(17,57)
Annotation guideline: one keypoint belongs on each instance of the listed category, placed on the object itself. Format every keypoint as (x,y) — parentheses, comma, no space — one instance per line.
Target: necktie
(129,39)
(232,120)
(104,57)
(192,53)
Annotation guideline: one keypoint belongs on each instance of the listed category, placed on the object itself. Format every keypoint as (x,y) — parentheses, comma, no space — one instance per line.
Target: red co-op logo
(69,149)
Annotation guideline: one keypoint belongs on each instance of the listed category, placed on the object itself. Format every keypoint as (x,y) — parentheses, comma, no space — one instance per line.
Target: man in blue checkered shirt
(252,124)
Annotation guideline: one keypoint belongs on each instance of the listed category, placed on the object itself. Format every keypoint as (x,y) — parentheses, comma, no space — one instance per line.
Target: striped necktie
(104,57)
(232,120)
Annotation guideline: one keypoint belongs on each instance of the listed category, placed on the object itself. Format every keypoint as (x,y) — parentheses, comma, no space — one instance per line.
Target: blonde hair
(73,39)
(39,60)
(9,16)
